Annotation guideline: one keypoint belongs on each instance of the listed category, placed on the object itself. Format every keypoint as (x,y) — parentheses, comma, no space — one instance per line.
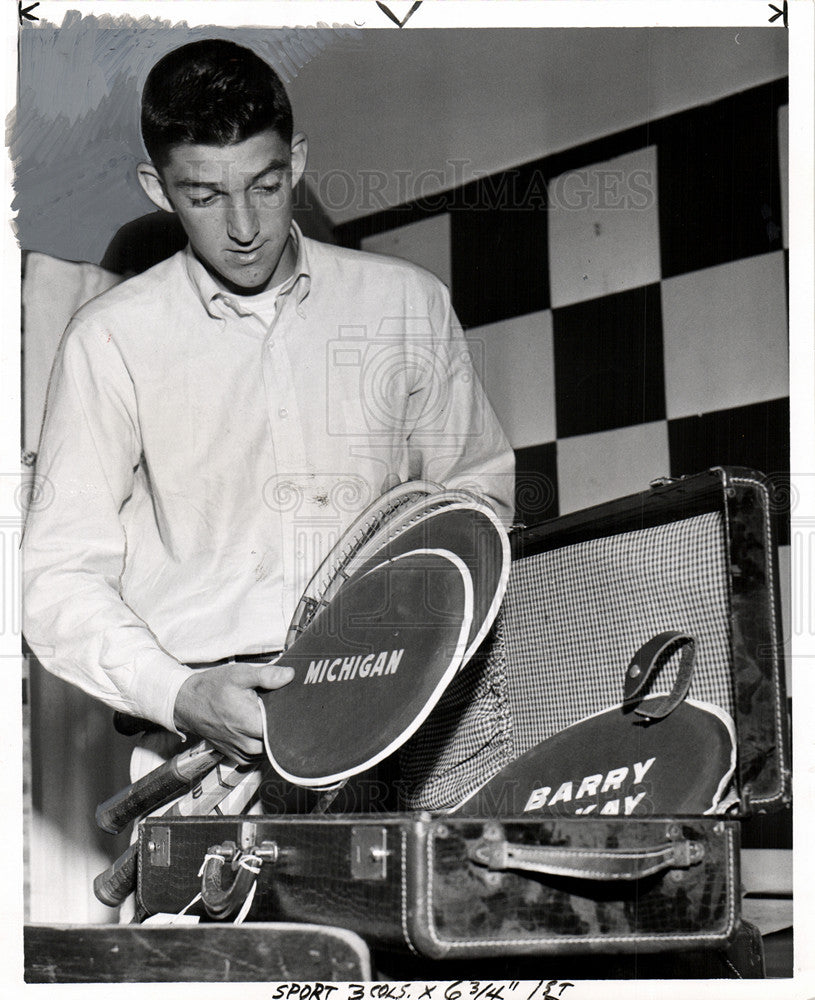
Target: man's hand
(221,705)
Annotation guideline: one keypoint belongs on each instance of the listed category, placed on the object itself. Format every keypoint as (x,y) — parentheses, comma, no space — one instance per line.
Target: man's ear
(153,186)
(299,156)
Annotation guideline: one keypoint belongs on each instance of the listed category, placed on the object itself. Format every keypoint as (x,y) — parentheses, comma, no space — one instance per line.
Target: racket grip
(132,725)
(154,789)
(115,884)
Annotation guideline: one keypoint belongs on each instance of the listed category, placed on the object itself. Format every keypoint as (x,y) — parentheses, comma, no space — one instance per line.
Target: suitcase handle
(597,864)
(644,666)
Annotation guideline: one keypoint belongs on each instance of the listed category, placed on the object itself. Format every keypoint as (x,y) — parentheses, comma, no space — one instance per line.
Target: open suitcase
(586,591)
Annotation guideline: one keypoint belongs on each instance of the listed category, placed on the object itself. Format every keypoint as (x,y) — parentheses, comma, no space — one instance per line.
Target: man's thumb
(271,677)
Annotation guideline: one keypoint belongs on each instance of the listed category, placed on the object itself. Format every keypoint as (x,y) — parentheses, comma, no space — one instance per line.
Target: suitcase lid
(747,502)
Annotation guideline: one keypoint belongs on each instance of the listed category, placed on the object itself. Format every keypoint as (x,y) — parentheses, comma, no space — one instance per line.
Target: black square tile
(499,246)
(718,179)
(351,234)
(609,362)
(755,436)
(536,492)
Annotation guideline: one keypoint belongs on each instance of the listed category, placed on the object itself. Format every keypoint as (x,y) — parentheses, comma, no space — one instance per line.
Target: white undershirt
(263,305)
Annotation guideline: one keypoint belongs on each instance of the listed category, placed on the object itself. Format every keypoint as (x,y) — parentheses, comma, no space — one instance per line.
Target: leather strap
(645,663)
(222,903)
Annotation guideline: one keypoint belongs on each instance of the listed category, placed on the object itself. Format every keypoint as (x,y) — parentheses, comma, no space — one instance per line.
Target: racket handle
(132,725)
(159,786)
(115,884)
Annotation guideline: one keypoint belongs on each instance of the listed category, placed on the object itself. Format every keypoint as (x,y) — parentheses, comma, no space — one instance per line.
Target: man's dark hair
(212,92)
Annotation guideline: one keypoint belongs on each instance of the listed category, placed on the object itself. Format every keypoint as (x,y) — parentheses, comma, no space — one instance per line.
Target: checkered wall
(627,298)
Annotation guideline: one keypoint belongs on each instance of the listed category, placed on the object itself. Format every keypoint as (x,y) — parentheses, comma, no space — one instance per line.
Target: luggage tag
(664,755)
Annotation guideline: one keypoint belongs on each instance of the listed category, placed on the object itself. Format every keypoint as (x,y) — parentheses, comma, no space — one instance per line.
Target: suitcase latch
(158,846)
(369,853)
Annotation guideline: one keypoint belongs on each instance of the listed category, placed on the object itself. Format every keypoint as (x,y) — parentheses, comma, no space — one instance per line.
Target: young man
(214,422)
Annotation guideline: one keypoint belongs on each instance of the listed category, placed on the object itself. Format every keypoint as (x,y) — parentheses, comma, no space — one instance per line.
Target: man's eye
(270,188)
(208,199)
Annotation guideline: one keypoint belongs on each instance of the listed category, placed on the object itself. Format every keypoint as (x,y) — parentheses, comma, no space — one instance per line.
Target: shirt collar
(213,297)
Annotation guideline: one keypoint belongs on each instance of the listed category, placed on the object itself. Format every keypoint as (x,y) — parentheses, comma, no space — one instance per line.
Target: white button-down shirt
(203,460)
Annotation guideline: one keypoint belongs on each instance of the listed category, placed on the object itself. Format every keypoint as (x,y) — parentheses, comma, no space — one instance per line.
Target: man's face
(235,204)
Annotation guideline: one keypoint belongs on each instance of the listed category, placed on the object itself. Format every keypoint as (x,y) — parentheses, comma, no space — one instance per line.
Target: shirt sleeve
(455,437)
(74,544)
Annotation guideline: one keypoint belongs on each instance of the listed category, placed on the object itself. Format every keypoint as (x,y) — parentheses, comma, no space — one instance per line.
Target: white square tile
(725,336)
(514,360)
(426,243)
(784,169)
(604,228)
(594,468)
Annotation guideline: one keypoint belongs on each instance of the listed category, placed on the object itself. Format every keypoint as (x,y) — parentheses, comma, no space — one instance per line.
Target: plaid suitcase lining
(576,616)
(570,623)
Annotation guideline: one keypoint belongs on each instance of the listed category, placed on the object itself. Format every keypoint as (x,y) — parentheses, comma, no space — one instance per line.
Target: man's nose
(242,222)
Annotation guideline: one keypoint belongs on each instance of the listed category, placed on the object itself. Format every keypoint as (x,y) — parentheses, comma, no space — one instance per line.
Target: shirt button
(282,412)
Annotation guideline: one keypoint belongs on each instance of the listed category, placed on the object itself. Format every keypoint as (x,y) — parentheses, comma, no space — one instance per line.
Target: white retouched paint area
(448,105)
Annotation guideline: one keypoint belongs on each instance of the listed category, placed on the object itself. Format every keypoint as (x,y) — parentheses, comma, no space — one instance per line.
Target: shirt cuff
(159,680)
